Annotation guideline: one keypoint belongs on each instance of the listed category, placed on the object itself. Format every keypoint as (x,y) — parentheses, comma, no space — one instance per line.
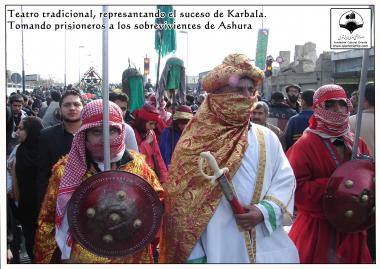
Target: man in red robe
(324,145)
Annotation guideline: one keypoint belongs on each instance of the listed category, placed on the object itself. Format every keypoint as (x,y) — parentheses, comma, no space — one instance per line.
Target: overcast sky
(44,50)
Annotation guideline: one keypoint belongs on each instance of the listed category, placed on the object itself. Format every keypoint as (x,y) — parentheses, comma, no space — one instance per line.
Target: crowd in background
(40,127)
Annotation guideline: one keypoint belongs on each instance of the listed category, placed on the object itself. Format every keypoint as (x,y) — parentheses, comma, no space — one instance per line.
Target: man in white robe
(223,241)
(199,225)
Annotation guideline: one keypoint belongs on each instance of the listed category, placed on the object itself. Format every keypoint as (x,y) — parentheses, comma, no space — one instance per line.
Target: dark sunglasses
(331,103)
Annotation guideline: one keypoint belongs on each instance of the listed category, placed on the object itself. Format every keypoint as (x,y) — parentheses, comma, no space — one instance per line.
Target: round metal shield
(114,213)
(349,200)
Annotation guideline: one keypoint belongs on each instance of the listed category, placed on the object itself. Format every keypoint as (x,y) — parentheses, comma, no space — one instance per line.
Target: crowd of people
(280,154)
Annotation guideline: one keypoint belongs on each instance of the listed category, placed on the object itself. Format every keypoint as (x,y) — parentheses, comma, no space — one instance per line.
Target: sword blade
(230,194)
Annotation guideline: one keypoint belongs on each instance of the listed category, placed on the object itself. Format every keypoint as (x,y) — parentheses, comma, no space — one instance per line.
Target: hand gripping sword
(220,177)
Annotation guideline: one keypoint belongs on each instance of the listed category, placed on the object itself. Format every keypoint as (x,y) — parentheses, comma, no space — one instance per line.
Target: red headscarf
(329,124)
(76,167)
(146,113)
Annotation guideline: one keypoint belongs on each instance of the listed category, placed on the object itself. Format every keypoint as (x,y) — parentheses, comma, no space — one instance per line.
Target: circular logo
(351,21)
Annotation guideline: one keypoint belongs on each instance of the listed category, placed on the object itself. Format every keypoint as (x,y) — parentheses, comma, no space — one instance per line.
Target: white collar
(117,158)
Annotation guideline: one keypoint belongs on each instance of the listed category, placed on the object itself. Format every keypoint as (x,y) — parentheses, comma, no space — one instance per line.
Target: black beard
(70,120)
(293,99)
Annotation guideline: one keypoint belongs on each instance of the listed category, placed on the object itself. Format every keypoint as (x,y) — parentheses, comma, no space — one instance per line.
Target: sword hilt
(213,164)
(226,186)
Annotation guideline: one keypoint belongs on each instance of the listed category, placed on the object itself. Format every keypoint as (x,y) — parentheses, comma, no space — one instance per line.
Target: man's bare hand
(250,219)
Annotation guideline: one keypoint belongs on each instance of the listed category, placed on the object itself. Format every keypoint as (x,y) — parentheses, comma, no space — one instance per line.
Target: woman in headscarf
(26,167)
(146,120)
(164,115)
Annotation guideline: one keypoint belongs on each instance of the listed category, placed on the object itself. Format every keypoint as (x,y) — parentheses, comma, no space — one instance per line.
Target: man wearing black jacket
(279,111)
(293,92)
(55,141)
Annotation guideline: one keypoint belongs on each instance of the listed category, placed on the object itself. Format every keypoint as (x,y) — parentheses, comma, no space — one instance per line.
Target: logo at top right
(351,21)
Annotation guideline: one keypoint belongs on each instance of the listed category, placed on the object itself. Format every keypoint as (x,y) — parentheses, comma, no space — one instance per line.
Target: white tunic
(222,242)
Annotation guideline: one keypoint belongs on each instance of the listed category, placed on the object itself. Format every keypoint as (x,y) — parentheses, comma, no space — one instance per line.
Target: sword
(105,92)
(359,115)
(220,177)
(363,80)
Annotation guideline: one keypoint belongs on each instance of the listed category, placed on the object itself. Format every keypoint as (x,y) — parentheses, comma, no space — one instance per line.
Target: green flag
(166,33)
(261,48)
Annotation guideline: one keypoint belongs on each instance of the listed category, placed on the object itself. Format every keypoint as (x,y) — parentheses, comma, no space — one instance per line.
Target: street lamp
(80,47)
(22,56)
(187,56)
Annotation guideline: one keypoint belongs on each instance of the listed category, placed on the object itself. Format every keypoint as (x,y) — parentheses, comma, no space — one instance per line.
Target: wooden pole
(159,59)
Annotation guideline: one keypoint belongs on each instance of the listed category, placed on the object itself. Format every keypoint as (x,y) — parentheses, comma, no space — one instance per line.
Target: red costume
(69,173)
(150,150)
(316,239)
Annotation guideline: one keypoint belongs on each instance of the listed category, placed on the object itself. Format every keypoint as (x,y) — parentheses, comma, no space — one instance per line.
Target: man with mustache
(293,92)
(55,141)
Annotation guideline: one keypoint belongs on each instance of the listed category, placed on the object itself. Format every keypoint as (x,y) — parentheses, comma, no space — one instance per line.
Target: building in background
(311,72)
